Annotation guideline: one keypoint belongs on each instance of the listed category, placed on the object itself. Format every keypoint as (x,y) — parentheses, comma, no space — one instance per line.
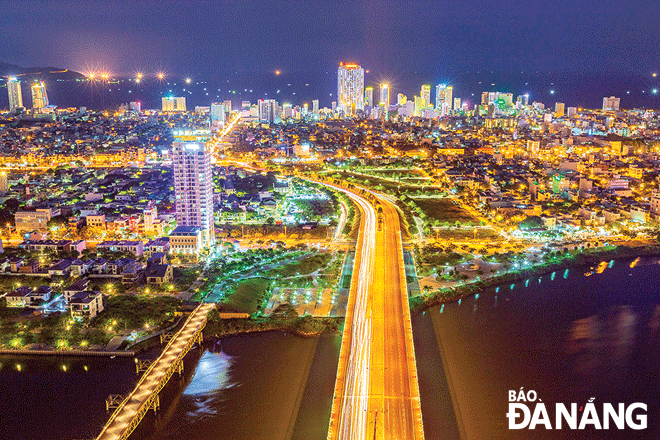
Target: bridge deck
(145,395)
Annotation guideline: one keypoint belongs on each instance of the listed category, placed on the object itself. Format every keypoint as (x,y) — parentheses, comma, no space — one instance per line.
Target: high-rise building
(15,95)
(350,88)
(571,112)
(39,95)
(420,106)
(384,95)
(449,96)
(193,181)
(135,106)
(369,97)
(441,96)
(401,99)
(315,106)
(287,111)
(611,103)
(218,113)
(174,104)
(267,110)
(559,109)
(457,104)
(426,93)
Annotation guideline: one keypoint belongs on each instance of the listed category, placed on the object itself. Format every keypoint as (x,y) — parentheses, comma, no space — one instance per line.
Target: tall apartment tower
(611,103)
(426,93)
(385,95)
(441,96)
(369,96)
(350,88)
(174,104)
(15,95)
(193,181)
(218,113)
(39,95)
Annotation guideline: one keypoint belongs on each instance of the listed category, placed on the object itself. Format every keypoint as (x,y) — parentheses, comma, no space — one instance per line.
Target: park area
(443,211)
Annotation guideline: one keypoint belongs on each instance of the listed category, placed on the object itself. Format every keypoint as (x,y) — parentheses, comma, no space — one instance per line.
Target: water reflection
(575,338)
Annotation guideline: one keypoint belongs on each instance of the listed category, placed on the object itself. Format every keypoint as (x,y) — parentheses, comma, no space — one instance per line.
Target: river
(568,336)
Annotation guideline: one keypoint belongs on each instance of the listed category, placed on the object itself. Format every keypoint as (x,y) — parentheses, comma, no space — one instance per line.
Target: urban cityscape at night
(376,219)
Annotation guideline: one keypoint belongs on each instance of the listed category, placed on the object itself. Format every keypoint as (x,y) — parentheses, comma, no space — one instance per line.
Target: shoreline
(453,294)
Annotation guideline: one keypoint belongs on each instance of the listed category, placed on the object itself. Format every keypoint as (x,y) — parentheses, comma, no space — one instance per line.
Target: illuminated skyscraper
(426,93)
(369,96)
(174,104)
(218,113)
(441,96)
(350,88)
(15,95)
(315,106)
(385,95)
(449,96)
(39,95)
(193,181)
(611,103)
(401,99)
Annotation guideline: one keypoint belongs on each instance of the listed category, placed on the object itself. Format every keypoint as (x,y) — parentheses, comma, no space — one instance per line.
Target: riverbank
(304,326)
(579,259)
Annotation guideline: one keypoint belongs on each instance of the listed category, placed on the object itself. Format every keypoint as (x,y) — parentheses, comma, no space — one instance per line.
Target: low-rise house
(31,266)
(186,240)
(81,267)
(159,274)
(19,297)
(99,266)
(158,258)
(61,268)
(39,295)
(132,273)
(86,305)
(134,247)
(161,244)
(79,285)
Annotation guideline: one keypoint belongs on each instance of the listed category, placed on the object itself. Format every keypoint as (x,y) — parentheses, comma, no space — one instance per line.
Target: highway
(376,392)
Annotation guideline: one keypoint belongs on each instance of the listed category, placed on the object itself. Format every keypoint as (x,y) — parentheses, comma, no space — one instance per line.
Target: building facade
(350,88)
(193,182)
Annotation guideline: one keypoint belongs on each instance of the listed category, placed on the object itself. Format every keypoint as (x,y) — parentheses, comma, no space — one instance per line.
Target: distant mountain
(7,69)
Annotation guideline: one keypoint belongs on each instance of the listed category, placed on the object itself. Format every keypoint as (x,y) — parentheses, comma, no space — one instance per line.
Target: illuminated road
(376,391)
(128,415)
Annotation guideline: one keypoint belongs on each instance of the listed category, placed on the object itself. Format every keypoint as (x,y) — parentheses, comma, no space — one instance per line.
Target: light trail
(376,391)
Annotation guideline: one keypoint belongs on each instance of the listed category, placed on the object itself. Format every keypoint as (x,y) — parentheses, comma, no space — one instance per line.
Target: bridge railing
(152,401)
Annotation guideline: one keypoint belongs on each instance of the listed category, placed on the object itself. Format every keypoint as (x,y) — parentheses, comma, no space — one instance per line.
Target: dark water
(569,338)
(260,386)
(49,397)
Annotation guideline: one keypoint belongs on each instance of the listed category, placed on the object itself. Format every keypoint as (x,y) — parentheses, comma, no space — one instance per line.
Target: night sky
(436,38)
